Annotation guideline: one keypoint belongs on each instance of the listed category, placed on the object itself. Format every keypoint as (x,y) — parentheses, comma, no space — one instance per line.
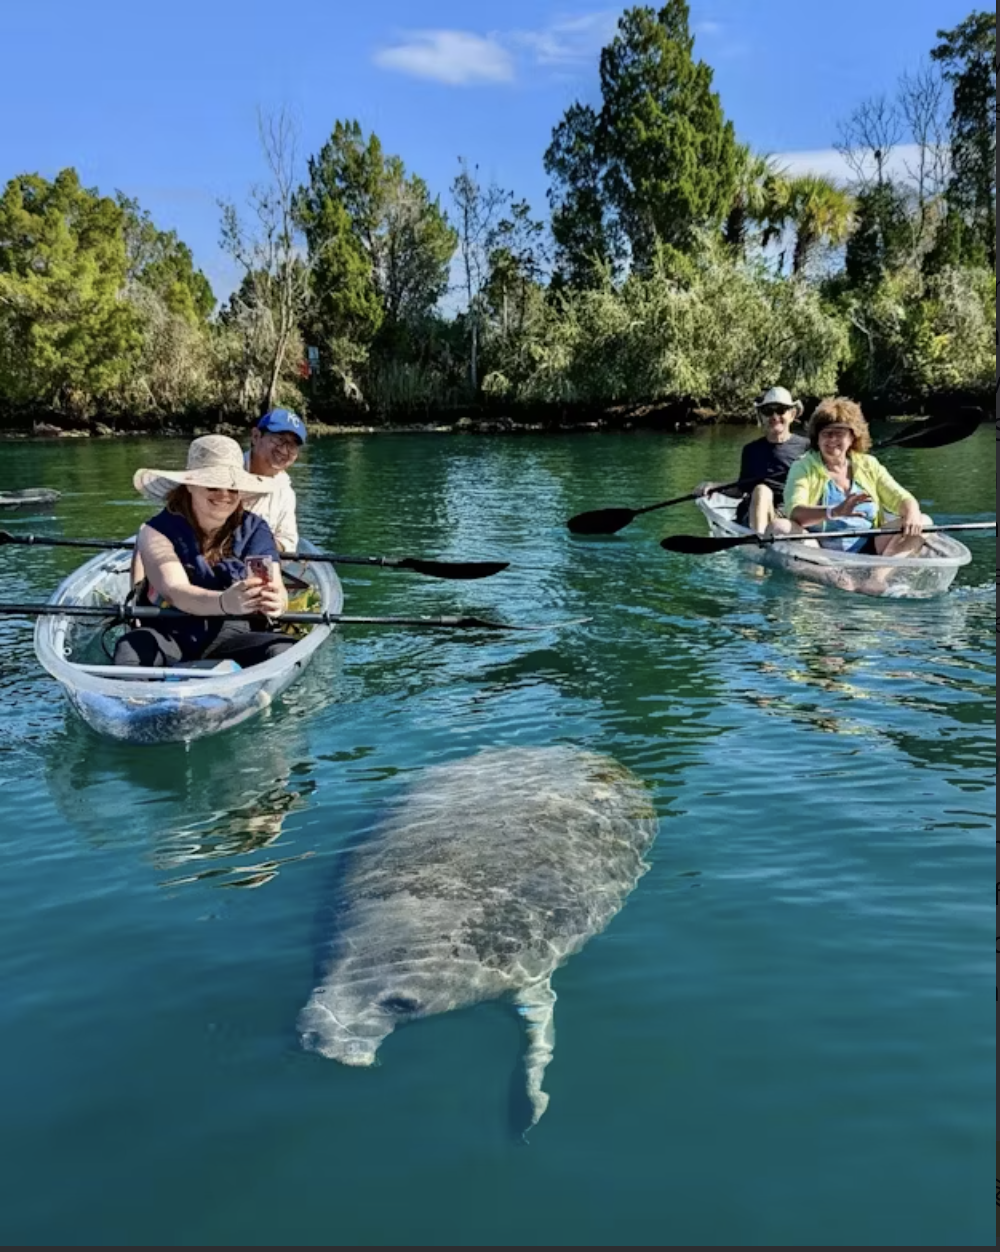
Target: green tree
(69,336)
(671,156)
(968,56)
(882,238)
(403,233)
(759,191)
(821,212)
(346,311)
(160,261)
(586,236)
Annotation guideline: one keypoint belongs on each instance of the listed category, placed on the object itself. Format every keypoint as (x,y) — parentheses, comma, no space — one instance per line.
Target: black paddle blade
(939,434)
(465,570)
(601,521)
(704,545)
(6,537)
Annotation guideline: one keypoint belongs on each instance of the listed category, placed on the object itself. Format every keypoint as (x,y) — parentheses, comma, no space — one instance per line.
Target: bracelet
(829,512)
(222,605)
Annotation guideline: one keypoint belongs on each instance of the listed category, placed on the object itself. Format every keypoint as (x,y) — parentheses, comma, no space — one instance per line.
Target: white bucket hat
(780,395)
(212,461)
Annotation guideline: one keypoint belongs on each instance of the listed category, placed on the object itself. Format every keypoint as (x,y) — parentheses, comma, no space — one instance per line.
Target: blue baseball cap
(282,421)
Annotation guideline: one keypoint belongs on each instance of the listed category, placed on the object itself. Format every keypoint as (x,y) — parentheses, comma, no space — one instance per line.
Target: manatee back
(513,857)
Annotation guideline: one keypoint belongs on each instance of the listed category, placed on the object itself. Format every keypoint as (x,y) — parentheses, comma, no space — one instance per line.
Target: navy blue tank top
(253,537)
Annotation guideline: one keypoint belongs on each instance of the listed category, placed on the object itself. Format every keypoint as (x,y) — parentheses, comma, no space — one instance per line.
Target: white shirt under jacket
(278,510)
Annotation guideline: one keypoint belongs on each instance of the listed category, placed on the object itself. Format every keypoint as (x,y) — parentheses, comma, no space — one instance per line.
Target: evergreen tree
(657,164)
(585,234)
(968,55)
(160,261)
(402,233)
(882,237)
(68,337)
(671,156)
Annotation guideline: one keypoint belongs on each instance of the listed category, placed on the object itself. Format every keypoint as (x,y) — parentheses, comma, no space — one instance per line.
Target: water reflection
(214,811)
(861,663)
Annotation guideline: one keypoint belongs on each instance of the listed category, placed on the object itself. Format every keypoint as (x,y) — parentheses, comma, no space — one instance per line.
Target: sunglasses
(775,410)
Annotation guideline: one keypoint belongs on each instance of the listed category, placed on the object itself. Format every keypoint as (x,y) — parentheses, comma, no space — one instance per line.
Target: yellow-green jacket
(808,477)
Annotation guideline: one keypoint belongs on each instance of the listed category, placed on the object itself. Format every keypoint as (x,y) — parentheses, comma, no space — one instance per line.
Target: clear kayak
(929,573)
(168,705)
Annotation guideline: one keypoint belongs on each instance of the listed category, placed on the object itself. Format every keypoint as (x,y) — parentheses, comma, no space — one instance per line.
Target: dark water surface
(783,1038)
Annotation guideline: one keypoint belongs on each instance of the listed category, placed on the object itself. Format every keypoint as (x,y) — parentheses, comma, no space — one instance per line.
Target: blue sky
(160,100)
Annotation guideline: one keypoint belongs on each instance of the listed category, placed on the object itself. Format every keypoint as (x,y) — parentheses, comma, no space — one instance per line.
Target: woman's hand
(911,520)
(849,506)
(242,597)
(271,597)
(255,594)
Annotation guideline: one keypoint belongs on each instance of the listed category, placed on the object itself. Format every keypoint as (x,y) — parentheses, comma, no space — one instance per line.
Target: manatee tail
(536,1005)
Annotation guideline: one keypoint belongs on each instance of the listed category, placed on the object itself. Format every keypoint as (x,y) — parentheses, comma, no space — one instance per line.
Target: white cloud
(830,163)
(456,57)
(571,39)
(462,58)
(709,28)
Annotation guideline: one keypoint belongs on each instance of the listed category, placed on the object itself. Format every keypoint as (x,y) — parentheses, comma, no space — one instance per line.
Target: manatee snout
(321,1032)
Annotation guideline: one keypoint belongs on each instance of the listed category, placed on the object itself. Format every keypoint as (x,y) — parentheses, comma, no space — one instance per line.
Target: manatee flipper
(536,1005)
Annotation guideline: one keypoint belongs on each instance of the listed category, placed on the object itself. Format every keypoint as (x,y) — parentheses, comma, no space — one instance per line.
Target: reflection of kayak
(913,577)
(31,496)
(173,704)
(215,814)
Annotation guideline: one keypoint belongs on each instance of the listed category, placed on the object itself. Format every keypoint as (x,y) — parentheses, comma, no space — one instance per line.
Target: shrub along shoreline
(671,416)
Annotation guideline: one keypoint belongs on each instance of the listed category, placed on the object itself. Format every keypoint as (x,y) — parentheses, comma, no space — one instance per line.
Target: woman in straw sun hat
(207,554)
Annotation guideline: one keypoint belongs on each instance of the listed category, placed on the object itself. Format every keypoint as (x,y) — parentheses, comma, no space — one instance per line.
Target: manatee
(489,874)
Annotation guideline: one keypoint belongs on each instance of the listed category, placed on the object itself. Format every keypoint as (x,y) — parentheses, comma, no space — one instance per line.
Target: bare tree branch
(273,259)
(867,138)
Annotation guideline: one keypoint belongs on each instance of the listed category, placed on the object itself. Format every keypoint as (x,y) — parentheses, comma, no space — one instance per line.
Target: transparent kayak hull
(908,577)
(176,705)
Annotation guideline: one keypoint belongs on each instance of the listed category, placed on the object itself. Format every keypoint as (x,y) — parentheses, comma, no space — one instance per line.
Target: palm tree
(757,180)
(821,212)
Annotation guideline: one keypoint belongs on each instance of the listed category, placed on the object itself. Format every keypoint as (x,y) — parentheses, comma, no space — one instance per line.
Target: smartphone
(259,567)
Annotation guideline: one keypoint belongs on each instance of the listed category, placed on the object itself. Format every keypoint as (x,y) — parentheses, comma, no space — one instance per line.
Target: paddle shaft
(861,534)
(433,569)
(708,545)
(129,612)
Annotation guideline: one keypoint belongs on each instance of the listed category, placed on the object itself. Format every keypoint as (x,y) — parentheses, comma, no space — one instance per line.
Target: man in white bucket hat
(207,554)
(765,462)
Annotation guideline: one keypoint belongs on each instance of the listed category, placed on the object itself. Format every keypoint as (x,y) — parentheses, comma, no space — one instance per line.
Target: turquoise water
(783,1038)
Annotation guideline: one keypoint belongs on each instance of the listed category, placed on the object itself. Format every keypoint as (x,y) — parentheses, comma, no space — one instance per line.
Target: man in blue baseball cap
(275,444)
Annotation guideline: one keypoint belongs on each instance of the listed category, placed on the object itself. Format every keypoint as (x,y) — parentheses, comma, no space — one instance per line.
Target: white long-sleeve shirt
(278,510)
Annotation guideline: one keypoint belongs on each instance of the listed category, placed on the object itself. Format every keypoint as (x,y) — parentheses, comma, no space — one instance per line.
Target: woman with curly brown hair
(838,486)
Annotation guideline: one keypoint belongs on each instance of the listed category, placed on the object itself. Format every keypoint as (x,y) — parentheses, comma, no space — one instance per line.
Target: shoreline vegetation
(676,276)
(664,417)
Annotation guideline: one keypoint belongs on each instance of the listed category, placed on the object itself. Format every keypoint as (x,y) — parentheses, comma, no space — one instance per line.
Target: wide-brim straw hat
(212,461)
